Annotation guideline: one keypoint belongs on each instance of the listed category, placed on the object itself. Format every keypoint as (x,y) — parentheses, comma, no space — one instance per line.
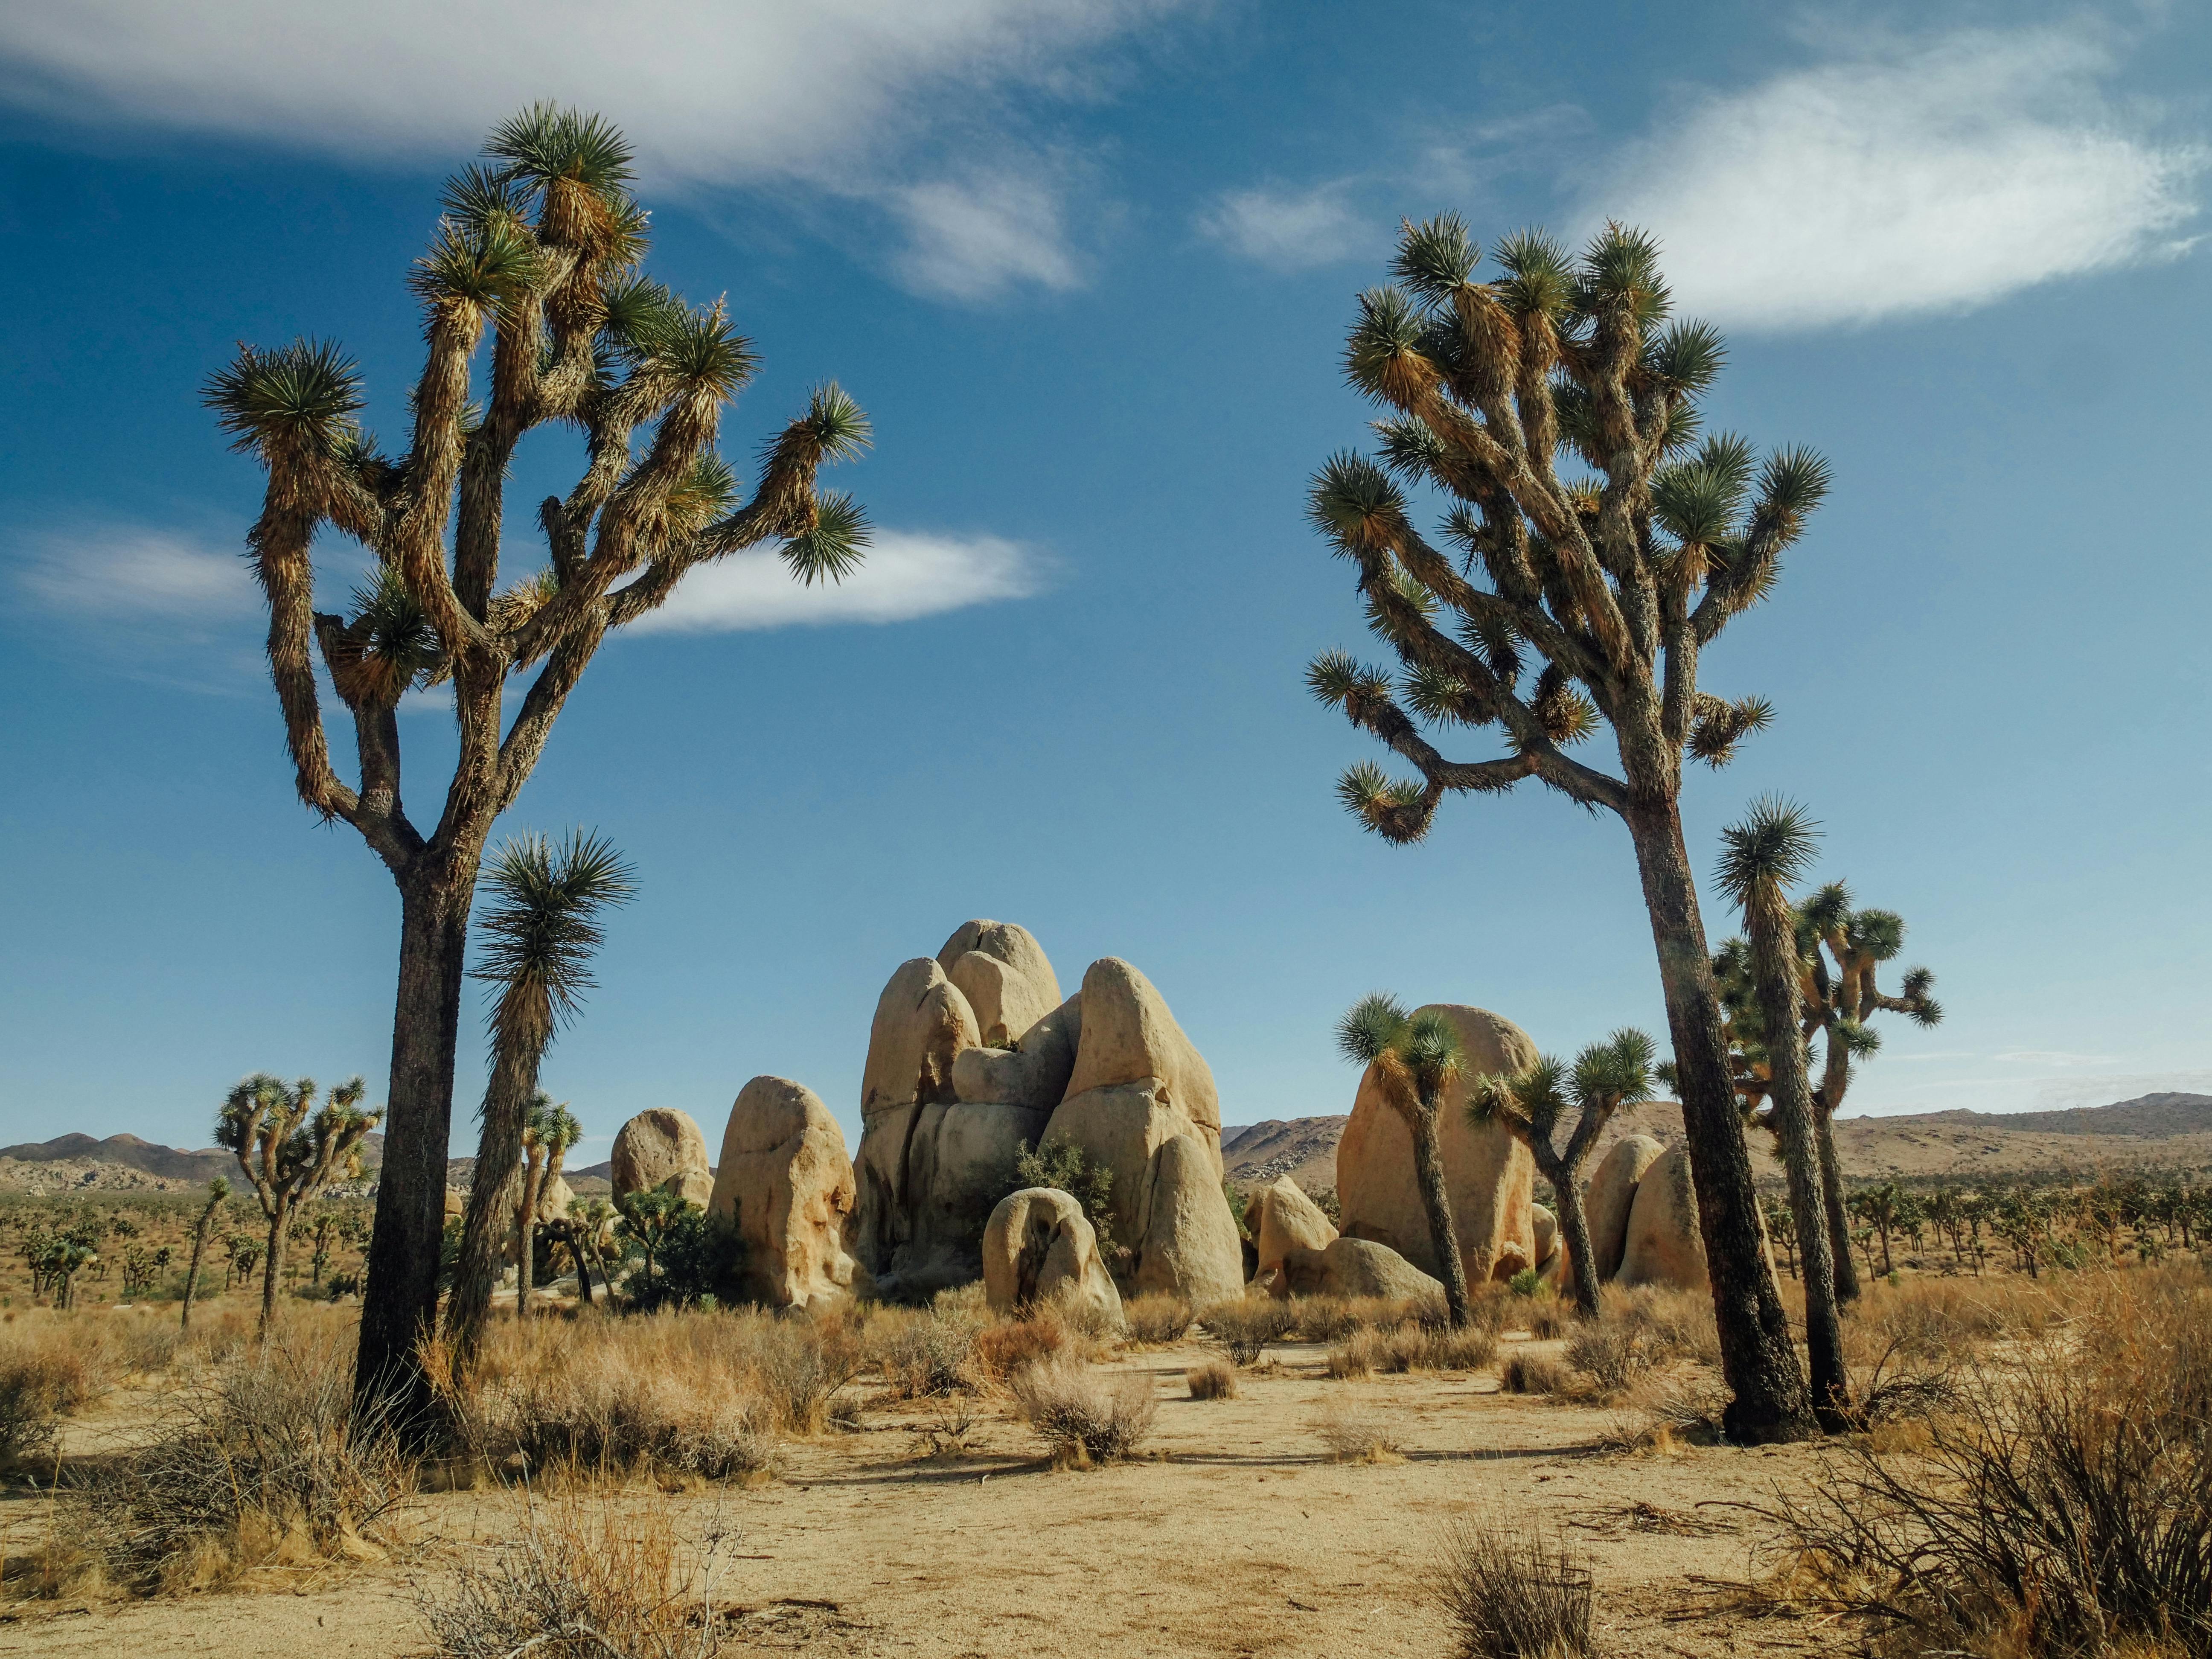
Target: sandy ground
(1237,1536)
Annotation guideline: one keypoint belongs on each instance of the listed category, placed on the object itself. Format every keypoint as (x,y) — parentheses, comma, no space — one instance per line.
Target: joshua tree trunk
(1574,1234)
(525,1238)
(1758,1359)
(1436,1201)
(199,1248)
(1836,1075)
(1775,971)
(399,1298)
(494,1197)
(273,1265)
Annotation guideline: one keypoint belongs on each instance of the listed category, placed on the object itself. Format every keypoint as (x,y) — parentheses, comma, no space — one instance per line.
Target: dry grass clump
(1356,1436)
(2060,1506)
(1086,1416)
(1214,1380)
(1156,1320)
(265,1465)
(1929,1319)
(1513,1596)
(1411,1348)
(582,1576)
(999,1351)
(1639,1330)
(698,1393)
(1547,1318)
(1531,1373)
(1245,1325)
(923,1353)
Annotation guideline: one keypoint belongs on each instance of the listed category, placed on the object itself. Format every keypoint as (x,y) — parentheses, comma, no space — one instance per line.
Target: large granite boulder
(784,1178)
(1611,1191)
(1038,1247)
(661,1147)
(921,1022)
(1034,1072)
(1488,1174)
(1355,1266)
(1282,1219)
(1545,1228)
(1138,1086)
(1005,975)
(1665,1245)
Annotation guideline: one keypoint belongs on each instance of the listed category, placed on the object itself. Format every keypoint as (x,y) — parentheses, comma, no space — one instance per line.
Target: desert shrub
(1065,1167)
(1929,1319)
(1245,1325)
(699,1260)
(1354,1357)
(999,1351)
(580,1577)
(266,1462)
(923,1353)
(1084,1415)
(1546,1318)
(704,1393)
(1531,1373)
(1356,1436)
(48,1369)
(1639,1330)
(1153,1319)
(1513,1596)
(1214,1380)
(2060,1506)
(1527,1282)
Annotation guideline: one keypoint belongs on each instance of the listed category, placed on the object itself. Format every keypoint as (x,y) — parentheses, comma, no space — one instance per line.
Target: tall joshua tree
(1415,1057)
(548,1132)
(1761,859)
(1610,586)
(1605,1077)
(540,935)
(289,1149)
(538,251)
(218,1190)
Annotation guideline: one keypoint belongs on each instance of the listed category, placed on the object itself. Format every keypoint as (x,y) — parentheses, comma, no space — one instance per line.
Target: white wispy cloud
(969,239)
(1928,176)
(1287,228)
(905,575)
(843,97)
(135,573)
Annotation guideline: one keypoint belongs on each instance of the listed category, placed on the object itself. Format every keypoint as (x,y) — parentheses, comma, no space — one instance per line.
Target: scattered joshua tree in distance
(548,1132)
(537,251)
(1415,1057)
(1605,1076)
(289,1149)
(218,1190)
(1609,587)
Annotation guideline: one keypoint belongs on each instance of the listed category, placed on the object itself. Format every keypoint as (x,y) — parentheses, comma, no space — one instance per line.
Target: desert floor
(1237,1536)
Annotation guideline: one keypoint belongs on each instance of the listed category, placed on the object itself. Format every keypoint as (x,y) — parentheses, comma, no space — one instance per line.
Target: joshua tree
(218,1190)
(540,935)
(1761,859)
(539,250)
(1878,1207)
(1415,1057)
(579,1233)
(1615,584)
(289,1149)
(548,1132)
(1605,1077)
(647,1218)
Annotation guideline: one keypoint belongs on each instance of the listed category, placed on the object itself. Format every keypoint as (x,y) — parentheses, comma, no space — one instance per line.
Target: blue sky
(1088,265)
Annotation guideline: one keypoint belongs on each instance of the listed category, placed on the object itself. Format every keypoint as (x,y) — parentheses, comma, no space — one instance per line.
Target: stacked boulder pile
(973,1055)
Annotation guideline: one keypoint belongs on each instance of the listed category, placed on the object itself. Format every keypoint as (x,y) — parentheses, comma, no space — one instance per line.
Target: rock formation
(1039,1248)
(1612,1190)
(784,1176)
(1545,1227)
(1282,1219)
(661,1147)
(1355,1266)
(1488,1174)
(1664,1244)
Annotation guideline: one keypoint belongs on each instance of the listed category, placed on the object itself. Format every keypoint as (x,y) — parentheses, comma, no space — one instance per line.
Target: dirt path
(1239,1538)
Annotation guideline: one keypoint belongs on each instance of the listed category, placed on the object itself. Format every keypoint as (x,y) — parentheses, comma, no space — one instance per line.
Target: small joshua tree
(1605,1076)
(1761,859)
(218,1190)
(547,1133)
(1415,1057)
(537,254)
(289,1149)
(1610,587)
(540,935)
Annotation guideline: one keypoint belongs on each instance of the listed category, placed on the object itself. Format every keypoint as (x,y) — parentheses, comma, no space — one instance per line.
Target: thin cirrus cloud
(842,99)
(1932,177)
(135,573)
(1286,229)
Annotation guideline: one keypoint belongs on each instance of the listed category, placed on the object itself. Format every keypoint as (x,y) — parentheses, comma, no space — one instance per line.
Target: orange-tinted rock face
(1488,1174)
(784,1174)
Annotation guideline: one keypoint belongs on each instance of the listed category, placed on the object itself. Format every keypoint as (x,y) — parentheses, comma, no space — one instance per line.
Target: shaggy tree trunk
(274,1264)
(1574,1236)
(1837,1078)
(495,1193)
(526,1239)
(1774,974)
(1443,1238)
(399,1296)
(1758,1360)
(199,1248)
